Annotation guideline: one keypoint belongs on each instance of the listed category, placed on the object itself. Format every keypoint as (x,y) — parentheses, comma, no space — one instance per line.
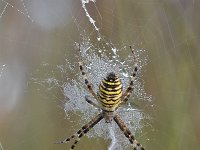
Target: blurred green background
(32,118)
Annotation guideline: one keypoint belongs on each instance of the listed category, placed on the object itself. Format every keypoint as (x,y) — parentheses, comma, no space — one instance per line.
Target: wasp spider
(109,97)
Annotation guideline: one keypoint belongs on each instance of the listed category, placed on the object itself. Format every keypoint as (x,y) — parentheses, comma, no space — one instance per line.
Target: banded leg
(91,102)
(130,88)
(127,133)
(82,131)
(87,83)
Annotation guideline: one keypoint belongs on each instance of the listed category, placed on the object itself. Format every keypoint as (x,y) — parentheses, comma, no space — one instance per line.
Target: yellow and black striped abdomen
(110,92)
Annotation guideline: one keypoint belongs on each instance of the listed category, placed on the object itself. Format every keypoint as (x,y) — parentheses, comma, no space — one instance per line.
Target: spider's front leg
(130,88)
(86,81)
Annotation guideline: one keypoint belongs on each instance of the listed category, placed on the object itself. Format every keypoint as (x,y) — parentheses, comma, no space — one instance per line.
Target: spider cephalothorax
(109,97)
(112,77)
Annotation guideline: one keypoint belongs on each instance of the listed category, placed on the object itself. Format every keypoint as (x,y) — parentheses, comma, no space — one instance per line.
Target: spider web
(105,33)
(2,69)
(22,10)
(108,54)
(98,66)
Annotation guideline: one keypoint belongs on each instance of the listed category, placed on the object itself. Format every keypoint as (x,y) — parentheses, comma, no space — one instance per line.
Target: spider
(109,97)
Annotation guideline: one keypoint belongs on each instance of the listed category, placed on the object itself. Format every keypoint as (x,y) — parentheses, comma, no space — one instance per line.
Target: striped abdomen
(110,92)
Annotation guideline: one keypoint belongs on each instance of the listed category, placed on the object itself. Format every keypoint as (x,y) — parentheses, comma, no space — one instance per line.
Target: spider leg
(87,83)
(91,102)
(82,131)
(127,133)
(86,128)
(130,88)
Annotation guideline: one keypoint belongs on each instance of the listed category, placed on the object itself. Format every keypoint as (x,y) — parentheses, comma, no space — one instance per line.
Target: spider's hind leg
(134,143)
(82,131)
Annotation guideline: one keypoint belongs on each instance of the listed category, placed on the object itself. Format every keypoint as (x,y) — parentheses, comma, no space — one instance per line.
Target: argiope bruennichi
(109,97)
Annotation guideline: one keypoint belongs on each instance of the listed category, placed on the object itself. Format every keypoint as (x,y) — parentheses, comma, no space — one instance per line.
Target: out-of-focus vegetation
(33,118)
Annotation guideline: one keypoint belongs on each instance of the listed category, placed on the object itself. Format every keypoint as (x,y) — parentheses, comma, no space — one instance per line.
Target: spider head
(111,76)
